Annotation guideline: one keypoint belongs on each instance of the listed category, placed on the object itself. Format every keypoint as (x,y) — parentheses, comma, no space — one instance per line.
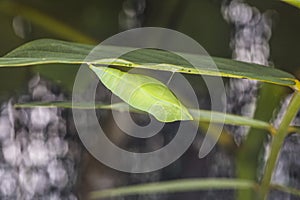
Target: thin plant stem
(277,143)
(182,185)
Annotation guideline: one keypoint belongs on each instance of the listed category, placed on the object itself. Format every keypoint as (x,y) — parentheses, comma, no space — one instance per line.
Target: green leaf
(54,51)
(144,93)
(183,185)
(293,2)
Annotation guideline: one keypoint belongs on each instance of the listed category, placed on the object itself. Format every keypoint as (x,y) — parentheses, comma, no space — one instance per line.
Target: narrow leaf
(39,18)
(295,3)
(45,51)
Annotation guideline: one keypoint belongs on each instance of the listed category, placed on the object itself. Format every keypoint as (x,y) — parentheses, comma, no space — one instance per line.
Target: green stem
(182,185)
(198,115)
(248,158)
(48,23)
(286,189)
(277,142)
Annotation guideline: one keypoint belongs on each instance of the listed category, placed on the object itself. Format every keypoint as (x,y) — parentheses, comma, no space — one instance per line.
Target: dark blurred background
(93,21)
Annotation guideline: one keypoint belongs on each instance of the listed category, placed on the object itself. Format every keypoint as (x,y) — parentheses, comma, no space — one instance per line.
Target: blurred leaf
(39,18)
(54,51)
(183,185)
(293,2)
